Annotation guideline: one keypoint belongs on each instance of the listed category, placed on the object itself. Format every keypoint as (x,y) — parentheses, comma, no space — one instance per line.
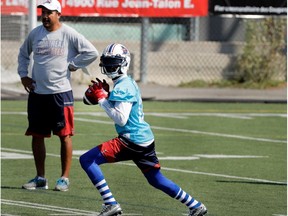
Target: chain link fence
(178,50)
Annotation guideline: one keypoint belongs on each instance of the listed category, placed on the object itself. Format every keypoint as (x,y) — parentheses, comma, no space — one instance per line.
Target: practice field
(230,156)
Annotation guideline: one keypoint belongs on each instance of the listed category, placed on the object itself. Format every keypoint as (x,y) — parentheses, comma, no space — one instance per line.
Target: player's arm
(118,111)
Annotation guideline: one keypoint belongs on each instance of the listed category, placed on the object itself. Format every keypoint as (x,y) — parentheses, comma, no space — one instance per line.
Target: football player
(135,139)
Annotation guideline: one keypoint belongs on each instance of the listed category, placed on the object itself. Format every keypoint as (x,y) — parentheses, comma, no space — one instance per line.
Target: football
(89,98)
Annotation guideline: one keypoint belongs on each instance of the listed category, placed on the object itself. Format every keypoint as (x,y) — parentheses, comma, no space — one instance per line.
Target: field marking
(80,152)
(172,169)
(192,131)
(209,156)
(219,134)
(8,215)
(9,155)
(214,174)
(46,207)
(26,155)
(181,115)
(221,156)
(62,211)
(225,115)
(187,115)
(192,157)
(180,130)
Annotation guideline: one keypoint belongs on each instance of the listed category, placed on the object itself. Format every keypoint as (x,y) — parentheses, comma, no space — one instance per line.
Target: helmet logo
(125,51)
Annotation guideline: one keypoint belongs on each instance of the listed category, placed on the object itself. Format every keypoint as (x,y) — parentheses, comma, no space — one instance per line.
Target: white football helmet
(115,60)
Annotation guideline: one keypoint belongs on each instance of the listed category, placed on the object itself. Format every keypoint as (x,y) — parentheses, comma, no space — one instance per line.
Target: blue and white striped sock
(105,192)
(187,200)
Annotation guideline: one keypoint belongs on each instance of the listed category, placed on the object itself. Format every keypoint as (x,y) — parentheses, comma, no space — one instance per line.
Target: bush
(264,55)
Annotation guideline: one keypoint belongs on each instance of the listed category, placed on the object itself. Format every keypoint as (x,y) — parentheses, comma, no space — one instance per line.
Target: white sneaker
(200,211)
(111,210)
(62,184)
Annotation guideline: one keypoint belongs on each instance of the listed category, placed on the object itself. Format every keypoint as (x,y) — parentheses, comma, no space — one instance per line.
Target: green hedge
(264,57)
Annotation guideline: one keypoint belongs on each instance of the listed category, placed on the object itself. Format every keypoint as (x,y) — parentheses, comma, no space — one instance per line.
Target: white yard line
(192,131)
(179,115)
(184,130)
(173,169)
(61,210)
(214,174)
(219,134)
(47,207)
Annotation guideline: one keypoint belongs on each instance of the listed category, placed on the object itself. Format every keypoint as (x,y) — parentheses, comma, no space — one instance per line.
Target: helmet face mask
(115,60)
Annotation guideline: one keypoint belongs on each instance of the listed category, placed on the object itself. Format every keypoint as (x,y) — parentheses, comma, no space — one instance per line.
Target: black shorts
(120,149)
(53,112)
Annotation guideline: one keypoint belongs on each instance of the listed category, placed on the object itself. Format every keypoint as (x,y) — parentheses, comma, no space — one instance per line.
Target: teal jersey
(136,129)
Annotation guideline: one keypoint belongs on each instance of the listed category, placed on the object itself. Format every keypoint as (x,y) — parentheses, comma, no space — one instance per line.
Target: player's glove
(94,93)
(105,85)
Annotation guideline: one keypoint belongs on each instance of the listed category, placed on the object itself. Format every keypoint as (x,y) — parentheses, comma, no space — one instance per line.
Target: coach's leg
(66,155)
(62,184)
(39,153)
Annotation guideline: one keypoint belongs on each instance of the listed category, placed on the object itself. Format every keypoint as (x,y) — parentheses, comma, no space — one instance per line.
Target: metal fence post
(144,49)
(192,30)
(32,15)
(31,25)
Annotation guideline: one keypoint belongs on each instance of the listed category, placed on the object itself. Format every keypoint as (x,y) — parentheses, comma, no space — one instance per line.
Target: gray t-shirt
(52,54)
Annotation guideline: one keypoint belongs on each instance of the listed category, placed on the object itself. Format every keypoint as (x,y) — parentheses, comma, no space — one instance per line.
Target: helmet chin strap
(115,78)
(115,75)
(119,75)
